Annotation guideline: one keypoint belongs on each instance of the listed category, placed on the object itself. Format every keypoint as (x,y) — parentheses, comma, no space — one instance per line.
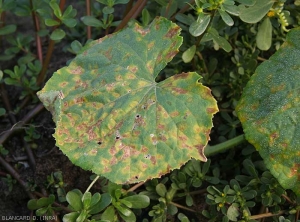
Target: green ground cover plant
(176,110)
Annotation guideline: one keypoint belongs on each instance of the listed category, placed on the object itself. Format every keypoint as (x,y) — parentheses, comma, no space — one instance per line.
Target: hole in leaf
(99,143)
(147,156)
(136,177)
(118,136)
(137,116)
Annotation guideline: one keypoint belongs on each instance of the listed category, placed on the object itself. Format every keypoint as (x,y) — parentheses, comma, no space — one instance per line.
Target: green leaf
(231,9)
(108,10)
(69,22)
(86,200)
(264,35)
(74,200)
(138,201)
(114,119)
(255,13)
(226,18)
(32,204)
(53,4)
(76,46)
(109,214)
(199,26)
(95,199)
(185,19)
(123,210)
(172,210)
(221,41)
(189,200)
(41,211)
(10,81)
(145,17)
(130,217)
(188,54)
(121,1)
(112,187)
(57,34)
(91,21)
(42,202)
(71,217)
(183,218)
(2,111)
(8,29)
(69,12)
(104,202)
(125,202)
(233,212)
(51,22)
(161,189)
(269,111)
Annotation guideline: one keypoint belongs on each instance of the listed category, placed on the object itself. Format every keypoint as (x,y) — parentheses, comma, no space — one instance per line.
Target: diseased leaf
(270,112)
(114,119)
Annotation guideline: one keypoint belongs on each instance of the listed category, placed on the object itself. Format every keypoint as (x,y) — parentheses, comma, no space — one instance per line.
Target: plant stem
(258,216)
(26,119)
(88,13)
(15,175)
(128,8)
(133,13)
(168,8)
(30,155)
(204,64)
(42,74)
(133,188)
(182,207)
(196,192)
(212,150)
(92,183)
(37,37)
